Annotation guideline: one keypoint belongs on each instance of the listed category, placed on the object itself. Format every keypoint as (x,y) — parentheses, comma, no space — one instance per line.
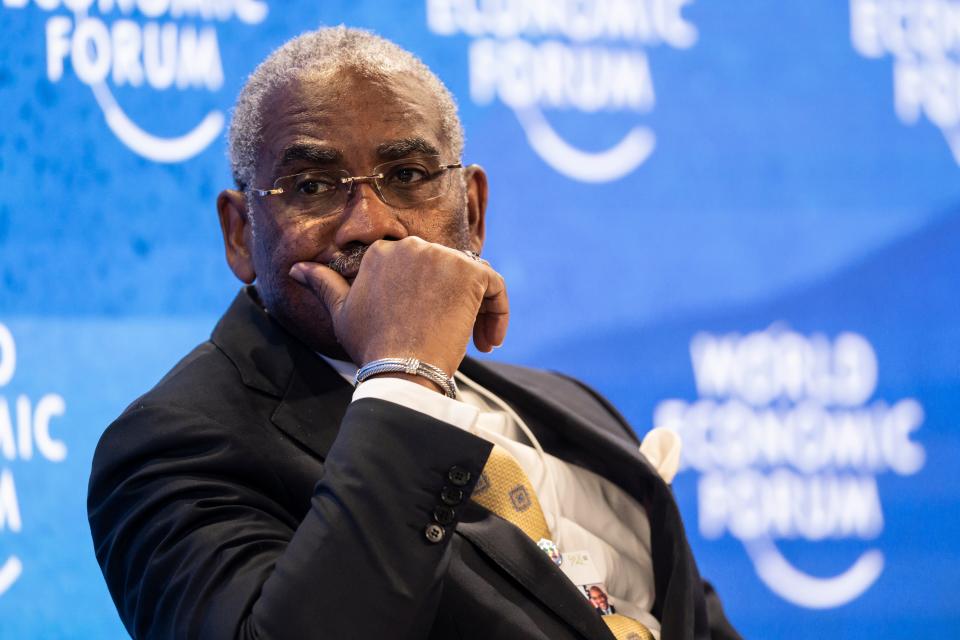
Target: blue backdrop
(738,219)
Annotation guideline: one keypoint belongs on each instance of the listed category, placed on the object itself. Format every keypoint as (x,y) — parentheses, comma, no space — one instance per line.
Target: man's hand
(412,298)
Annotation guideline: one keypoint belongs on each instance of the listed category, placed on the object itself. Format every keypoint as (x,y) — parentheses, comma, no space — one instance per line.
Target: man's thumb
(326,283)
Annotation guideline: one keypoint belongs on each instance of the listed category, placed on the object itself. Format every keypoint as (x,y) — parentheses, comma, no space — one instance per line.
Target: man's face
(599,598)
(354,123)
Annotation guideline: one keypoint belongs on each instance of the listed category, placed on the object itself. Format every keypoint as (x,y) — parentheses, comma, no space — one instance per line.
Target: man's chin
(304,316)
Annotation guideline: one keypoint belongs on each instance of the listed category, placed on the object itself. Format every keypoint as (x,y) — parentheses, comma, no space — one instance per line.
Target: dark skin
(415,294)
(599,598)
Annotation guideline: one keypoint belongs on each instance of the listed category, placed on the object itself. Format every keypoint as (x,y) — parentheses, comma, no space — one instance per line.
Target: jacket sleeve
(194,543)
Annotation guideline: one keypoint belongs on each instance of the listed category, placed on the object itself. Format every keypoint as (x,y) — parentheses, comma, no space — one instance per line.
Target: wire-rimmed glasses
(401,183)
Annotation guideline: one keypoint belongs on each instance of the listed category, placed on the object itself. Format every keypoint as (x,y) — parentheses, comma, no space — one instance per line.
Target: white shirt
(584,511)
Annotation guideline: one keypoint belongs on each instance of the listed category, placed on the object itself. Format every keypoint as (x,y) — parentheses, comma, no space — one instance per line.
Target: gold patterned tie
(504,489)
(625,628)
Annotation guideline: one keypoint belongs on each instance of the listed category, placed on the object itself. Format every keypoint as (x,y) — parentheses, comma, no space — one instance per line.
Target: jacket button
(434,533)
(458,476)
(451,496)
(444,515)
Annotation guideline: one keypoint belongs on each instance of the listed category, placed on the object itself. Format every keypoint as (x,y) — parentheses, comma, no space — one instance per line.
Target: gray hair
(323,50)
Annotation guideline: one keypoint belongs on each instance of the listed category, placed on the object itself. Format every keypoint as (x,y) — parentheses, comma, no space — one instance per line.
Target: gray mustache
(348,261)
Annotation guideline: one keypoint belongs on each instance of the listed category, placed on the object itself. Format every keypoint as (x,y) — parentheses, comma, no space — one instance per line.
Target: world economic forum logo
(587,56)
(153,45)
(788,442)
(923,39)
(25,438)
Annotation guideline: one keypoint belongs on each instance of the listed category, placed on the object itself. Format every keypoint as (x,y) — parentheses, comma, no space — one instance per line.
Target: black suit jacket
(245,496)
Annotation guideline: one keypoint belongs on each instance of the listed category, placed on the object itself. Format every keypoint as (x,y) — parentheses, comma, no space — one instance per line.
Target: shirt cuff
(413,396)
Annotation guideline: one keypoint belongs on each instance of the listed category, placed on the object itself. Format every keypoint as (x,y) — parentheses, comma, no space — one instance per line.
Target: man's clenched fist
(412,298)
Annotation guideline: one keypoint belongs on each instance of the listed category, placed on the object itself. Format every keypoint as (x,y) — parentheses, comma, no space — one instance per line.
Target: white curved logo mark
(804,590)
(153,147)
(603,166)
(9,573)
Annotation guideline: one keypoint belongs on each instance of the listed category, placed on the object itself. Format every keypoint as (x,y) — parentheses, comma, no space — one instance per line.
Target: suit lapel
(312,396)
(514,552)
(563,432)
(314,404)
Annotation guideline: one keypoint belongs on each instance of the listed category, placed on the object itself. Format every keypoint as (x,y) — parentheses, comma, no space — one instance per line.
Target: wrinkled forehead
(350,118)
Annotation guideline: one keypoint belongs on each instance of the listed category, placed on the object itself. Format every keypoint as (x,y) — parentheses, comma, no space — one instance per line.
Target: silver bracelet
(410,366)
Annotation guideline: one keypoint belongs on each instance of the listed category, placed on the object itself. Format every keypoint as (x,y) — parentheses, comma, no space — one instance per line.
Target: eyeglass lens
(402,184)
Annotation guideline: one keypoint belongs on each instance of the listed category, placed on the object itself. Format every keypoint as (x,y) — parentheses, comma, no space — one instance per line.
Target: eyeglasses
(399,183)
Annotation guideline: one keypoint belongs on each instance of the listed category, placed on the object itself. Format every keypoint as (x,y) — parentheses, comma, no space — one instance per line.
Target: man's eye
(314,185)
(407,175)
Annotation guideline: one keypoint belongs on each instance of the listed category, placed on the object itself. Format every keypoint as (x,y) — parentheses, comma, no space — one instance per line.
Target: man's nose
(366,218)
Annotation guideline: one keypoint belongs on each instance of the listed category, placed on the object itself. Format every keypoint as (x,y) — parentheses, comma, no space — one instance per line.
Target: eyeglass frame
(352,181)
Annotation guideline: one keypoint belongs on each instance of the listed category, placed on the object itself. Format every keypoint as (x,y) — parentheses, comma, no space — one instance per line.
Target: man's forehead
(331,118)
(338,95)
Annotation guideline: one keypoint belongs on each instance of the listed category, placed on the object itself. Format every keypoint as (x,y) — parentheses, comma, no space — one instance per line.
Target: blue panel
(736,219)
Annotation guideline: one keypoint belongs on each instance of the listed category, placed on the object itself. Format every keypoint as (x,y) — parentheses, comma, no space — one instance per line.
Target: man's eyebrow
(396,149)
(312,154)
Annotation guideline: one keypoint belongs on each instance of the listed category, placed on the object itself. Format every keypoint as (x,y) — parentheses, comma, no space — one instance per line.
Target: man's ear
(476,179)
(237,233)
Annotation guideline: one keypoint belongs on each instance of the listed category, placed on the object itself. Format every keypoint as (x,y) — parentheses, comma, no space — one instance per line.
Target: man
(253,486)
(599,599)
